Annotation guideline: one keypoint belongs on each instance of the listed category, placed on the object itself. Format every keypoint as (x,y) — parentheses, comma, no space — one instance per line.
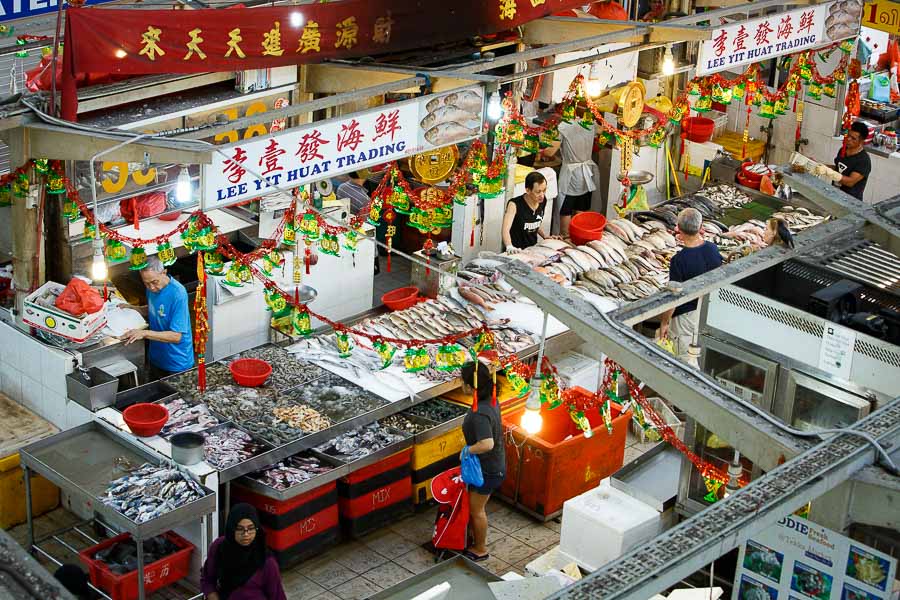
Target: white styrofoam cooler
(578,369)
(58,321)
(603,523)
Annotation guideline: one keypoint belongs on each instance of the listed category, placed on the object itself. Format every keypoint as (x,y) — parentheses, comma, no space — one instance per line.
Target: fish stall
(132,490)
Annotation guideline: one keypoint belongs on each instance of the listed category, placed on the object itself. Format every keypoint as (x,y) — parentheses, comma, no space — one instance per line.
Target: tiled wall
(34,375)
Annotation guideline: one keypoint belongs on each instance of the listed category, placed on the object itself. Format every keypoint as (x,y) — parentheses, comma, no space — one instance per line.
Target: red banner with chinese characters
(142,42)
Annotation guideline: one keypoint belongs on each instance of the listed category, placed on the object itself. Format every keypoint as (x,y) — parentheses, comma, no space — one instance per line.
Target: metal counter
(82,462)
(468,581)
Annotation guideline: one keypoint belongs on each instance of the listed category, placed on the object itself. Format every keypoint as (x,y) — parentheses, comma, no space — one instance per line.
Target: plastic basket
(250,372)
(145,419)
(157,575)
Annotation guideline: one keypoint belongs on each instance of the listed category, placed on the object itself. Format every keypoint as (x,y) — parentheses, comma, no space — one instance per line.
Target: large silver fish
(466,100)
(447,114)
(448,133)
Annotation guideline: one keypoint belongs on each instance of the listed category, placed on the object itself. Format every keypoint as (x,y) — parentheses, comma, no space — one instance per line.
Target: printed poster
(799,560)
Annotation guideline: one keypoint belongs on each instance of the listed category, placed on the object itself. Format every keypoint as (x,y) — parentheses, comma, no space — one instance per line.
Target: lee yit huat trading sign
(329,148)
(747,42)
(143,42)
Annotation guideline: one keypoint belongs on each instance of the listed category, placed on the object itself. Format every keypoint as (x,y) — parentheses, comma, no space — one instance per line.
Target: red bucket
(250,372)
(401,298)
(699,129)
(586,227)
(145,419)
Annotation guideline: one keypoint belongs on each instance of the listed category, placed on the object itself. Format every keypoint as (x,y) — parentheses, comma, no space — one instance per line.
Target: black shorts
(573,204)
(491,484)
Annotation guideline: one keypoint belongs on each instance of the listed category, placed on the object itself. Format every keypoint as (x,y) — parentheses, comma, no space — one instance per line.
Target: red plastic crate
(159,574)
(554,468)
(393,461)
(377,499)
(283,539)
(274,506)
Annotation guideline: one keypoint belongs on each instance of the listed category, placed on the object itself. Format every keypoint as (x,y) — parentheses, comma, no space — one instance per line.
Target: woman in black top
(484,436)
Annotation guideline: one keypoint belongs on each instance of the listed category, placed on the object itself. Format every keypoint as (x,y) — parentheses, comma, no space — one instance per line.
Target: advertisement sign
(337,146)
(883,15)
(19,9)
(746,42)
(799,560)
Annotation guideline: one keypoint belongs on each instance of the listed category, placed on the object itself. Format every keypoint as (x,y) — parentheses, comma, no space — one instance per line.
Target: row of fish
(228,446)
(292,471)
(150,491)
(361,442)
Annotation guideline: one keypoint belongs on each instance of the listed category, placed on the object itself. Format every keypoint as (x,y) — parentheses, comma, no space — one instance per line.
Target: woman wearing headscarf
(483,431)
(239,567)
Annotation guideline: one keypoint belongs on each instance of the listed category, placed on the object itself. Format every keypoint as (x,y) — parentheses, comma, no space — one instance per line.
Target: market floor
(355,570)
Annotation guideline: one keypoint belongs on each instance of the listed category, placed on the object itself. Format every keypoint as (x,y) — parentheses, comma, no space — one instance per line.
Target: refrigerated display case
(748,375)
(808,403)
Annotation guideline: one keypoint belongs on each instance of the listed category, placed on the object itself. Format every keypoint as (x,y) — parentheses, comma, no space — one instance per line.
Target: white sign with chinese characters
(751,41)
(322,150)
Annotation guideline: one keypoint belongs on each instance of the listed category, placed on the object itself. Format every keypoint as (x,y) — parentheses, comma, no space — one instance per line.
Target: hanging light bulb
(734,475)
(593,87)
(99,271)
(494,108)
(532,421)
(668,64)
(296,19)
(183,186)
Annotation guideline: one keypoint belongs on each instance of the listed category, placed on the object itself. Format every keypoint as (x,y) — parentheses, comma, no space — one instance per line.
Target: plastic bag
(146,205)
(470,468)
(666,344)
(79,298)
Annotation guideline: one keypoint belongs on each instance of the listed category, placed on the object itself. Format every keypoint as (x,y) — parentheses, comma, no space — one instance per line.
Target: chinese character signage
(754,40)
(329,148)
(143,42)
(799,560)
(883,15)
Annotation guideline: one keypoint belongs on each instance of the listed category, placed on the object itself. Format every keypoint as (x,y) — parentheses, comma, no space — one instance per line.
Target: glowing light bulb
(296,19)
(668,64)
(183,187)
(494,108)
(532,421)
(121,53)
(593,87)
(99,271)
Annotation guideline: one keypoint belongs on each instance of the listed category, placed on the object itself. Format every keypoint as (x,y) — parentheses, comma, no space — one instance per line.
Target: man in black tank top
(523,220)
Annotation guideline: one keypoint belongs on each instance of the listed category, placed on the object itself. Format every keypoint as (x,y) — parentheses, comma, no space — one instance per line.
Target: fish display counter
(631,260)
(129,487)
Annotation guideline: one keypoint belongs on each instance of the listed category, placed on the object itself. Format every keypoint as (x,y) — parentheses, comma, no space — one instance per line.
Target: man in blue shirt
(696,257)
(171,346)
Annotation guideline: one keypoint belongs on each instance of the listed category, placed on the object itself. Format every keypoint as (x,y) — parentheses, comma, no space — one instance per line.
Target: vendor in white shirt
(579,175)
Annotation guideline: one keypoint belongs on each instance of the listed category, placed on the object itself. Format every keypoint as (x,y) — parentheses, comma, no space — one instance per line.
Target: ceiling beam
(692,391)
(68,143)
(333,79)
(637,312)
(553,31)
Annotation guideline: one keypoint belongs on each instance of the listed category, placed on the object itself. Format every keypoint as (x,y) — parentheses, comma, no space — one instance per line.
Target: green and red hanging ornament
(416,359)
(449,357)
(138,260)
(165,253)
(386,352)
(116,251)
(214,263)
(272,260)
(301,321)
(344,343)
(389,234)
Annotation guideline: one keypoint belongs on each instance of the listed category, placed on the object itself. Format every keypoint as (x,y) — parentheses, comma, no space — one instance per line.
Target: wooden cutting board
(20,427)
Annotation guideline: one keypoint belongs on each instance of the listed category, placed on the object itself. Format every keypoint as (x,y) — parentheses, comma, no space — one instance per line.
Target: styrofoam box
(578,369)
(58,321)
(607,514)
(699,155)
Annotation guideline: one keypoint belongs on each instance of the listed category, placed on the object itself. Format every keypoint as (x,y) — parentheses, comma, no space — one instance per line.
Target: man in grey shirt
(354,190)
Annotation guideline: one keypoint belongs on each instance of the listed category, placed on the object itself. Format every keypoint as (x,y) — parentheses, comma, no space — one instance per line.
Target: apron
(578,173)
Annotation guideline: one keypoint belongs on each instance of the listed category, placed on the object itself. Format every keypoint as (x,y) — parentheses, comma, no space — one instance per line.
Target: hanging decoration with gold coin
(166,254)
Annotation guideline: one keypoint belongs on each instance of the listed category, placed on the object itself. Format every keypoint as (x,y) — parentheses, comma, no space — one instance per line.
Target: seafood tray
(287,371)
(365,446)
(437,410)
(227,446)
(217,375)
(256,481)
(185,417)
(85,460)
(407,423)
(335,398)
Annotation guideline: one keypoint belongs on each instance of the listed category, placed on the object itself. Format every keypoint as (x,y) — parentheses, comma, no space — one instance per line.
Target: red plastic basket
(145,419)
(401,298)
(586,227)
(699,129)
(159,574)
(250,372)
